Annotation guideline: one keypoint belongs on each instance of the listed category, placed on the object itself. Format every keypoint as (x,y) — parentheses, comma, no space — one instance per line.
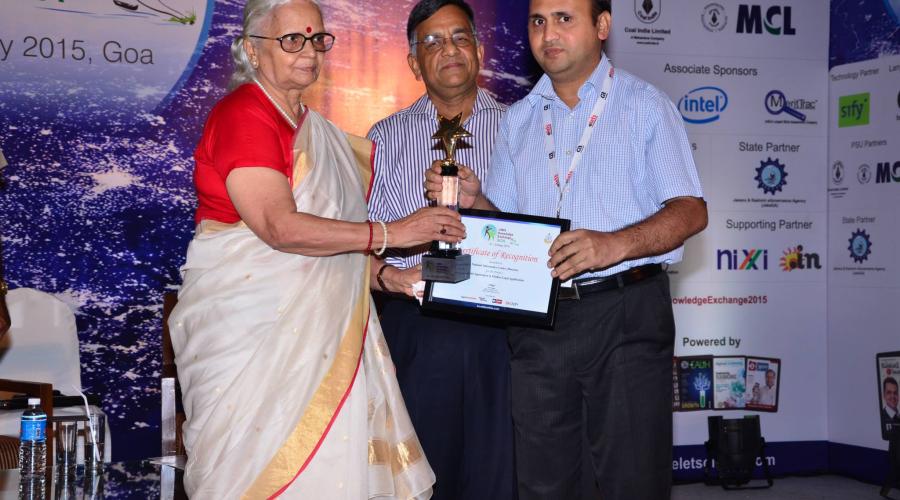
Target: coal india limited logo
(771,176)
(647,11)
(837,173)
(714,18)
(864,174)
(489,232)
(860,246)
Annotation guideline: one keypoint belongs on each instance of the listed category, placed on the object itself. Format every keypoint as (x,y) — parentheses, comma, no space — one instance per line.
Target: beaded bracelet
(384,242)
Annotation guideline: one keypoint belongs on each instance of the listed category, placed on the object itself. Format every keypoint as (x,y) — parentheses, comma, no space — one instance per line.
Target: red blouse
(244,129)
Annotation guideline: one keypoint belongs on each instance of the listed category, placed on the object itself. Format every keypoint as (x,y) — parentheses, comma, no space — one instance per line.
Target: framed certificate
(889,393)
(510,280)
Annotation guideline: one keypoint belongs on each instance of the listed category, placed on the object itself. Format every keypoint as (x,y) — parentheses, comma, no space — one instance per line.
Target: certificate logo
(703,105)
(647,11)
(714,18)
(864,174)
(489,232)
(837,173)
(770,176)
(860,246)
(795,258)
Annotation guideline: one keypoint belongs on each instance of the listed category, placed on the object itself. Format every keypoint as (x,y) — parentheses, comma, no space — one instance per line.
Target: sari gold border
(303,442)
(400,456)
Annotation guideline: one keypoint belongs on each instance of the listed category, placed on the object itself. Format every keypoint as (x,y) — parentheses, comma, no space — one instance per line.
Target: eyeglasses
(294,42)
(435,43)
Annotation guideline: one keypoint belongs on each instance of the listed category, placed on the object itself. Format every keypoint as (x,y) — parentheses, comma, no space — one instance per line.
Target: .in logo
(853,110)
(770,176)
(794,258)
(703,105)
(887,172)
(750,20)
(860,246)
(749,259)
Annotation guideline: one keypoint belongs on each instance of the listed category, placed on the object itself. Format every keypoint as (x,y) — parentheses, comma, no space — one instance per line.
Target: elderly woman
(288,385)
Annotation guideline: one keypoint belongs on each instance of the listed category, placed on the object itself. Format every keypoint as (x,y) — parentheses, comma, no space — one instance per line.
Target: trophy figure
(445,262)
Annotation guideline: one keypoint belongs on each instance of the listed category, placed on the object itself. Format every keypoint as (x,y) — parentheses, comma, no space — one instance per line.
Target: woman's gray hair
(256,14)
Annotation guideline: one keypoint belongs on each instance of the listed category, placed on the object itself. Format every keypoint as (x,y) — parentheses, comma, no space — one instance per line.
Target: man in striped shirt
(454,375)
(609,152)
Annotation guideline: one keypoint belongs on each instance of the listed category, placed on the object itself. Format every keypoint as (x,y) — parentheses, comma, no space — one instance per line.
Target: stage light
(732,450)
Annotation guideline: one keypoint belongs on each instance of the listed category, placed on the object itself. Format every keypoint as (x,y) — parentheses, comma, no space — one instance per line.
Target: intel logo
(703,105)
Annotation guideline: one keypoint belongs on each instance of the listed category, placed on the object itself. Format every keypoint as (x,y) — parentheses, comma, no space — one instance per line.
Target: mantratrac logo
(754,259)
(776,21)
(647,11)
(796,258)
(864,174)
(853,110)
(788,110)
(770,176)
(837,173)
(887,172)
(714,18)
(703,105)
(860,246)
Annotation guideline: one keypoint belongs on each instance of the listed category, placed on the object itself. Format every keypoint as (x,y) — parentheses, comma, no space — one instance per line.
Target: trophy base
(446,268)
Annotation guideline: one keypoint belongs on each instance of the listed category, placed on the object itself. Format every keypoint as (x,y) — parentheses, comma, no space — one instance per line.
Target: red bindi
(309,29)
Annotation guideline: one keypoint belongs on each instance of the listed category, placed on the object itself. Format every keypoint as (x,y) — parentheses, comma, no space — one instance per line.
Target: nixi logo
(647,11)
(714,18)
(777,20)
(795,258)
(770,176)
(837,173)
(887,172)
(860,246)
(864,174)
(754,259)
(853,110)
(703,105)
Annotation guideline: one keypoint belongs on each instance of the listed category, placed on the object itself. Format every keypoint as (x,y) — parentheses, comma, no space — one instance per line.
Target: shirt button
(569,153)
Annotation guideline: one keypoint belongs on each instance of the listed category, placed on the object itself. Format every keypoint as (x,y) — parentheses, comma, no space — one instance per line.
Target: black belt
(586,286)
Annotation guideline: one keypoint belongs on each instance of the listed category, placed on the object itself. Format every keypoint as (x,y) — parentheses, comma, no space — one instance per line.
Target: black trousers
(454,377)
(605,372)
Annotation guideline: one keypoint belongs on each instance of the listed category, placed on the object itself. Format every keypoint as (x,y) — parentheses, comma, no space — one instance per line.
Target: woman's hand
(425,225)
(398,280)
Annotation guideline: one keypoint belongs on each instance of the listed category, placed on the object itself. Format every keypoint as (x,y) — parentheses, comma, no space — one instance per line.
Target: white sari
(288,385)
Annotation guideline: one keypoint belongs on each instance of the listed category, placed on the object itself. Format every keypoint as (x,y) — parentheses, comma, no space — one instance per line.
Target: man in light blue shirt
(608,151)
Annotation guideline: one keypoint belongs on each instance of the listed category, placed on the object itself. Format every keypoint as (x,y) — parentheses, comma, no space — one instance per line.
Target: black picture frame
(491,312)
(750,405)
(887,364)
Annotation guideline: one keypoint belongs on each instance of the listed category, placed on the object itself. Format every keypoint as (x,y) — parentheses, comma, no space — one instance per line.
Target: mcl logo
(853,110)
(754,259)
(885,172)
(796,258)
(777,20)
(703,105)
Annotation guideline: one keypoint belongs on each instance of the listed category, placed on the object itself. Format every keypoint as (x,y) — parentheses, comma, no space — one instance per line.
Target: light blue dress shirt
(638,157)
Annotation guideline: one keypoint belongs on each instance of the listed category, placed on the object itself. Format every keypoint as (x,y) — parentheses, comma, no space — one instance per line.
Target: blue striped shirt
(638,158)
(404,150)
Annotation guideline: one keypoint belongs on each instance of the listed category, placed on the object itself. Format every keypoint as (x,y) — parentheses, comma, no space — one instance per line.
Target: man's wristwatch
(3,287)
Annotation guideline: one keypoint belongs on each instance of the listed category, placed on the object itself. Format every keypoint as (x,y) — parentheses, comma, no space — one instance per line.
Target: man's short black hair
(889,380)
(600,6)
(426,8)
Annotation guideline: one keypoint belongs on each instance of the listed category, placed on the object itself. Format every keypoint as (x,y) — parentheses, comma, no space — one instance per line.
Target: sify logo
(703,105)
(770,176)
(777,20)
(754,259)
(887,172)
(647,11)
(714,18)
(853,110)
(795,258)
(860,246)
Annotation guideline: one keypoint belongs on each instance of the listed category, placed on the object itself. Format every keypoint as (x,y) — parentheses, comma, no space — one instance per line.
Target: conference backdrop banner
(102,103)
(750,82)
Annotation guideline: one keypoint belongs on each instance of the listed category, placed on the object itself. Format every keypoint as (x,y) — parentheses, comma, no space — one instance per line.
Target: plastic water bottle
(33,440)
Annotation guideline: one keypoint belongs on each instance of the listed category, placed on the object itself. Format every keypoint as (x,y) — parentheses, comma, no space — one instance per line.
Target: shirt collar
(544,87)
(483,101)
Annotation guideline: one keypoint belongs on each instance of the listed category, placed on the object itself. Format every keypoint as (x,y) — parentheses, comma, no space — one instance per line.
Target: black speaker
(732,451)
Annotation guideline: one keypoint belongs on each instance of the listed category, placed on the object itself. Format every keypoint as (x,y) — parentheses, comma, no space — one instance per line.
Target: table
(154,478)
